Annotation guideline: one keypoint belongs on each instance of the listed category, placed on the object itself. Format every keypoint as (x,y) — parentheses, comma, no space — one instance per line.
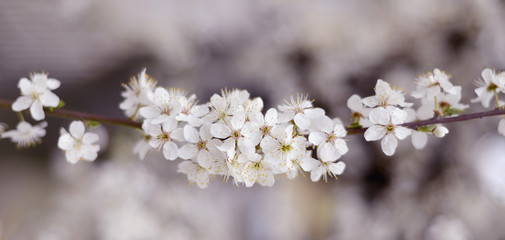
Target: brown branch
(63,113)
(437,120)
(5,104)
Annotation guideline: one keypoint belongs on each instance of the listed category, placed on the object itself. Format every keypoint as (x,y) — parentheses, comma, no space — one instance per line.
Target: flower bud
(440,131)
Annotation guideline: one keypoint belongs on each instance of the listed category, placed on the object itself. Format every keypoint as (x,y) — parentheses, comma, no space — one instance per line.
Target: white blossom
(26,135)
(165,104)
(191,112)
(385,95)
(223,107)
(487,85)
(164,135)
(136,94)
(77,144)
(244,135)
(200,144)
(282,147)
(359,112)
(385,126)
(431,84)
(318,168)
(36,94)
(300,110)
(440,131)
(329,140)
(253,109)
(267,123)
(196,173)
(256,169)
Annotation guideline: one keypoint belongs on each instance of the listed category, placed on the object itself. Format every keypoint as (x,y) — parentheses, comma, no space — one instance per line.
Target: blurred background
(453,189)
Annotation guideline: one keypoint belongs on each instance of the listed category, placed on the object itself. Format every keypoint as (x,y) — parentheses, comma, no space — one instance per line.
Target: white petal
(382,88)
(308,164)
(65,142)
(337,168)
(302,121)
(398,116)
(25,85)
(317,172)
(339,130)
(53,83)
(90,138)
(419,139)
(49,99)
(402,132)
(170,151)
(149,112)
(37,111)
(238,120)
(187,151)
(220,130)
(89,152)
(379,116)
(77,129)
(191,134)
(341,146)
(271,117)
(205,158)
(205,132)
(266,178)
(202,179)
(22,103)
(268,144)
(72,156)
(354,103)
(501,127)
(389,144)
(326,152)
(245,146)
(249,173)
(317,138)
(374,133)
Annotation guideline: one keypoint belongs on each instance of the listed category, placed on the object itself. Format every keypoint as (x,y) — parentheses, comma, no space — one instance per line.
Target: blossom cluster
(231,137)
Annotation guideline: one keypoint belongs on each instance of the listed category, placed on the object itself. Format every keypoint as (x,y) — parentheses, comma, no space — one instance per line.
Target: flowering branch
(69,114)
(437,120)
(230,136)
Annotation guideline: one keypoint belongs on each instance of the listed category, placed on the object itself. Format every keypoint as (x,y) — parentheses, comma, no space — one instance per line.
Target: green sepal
(92,124)
(61,104)
(355,125)
(428,128)
(453,111)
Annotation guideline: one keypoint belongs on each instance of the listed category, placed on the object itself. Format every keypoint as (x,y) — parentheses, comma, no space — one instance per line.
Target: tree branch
(63,113)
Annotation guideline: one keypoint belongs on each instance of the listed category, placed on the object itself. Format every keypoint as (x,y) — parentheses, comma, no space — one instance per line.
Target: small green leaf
(61,104)
(453,111)
(428,128)
(355,125)
(92,124)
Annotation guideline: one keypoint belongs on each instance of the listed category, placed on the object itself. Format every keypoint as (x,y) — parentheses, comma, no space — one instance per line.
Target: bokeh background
(453,189)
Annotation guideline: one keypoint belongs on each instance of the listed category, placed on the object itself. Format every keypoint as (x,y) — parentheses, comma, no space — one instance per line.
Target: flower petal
(308,164)
(220,130)
(389,144)
(65,142)
(49,99)
(170,151)
(90,138)
(419,139)
(317,172)
(302,121)
(402,132)
(37,111)
(77,129)
(374,133)
(191,134)
(317,138)
(187,151)
(22,103)
(337,168)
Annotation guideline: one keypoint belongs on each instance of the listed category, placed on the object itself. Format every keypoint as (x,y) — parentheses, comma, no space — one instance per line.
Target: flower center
(236,134)
(201,145)
(265,130)
(165,137)
(491,87)
(390,128)
(286,148)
